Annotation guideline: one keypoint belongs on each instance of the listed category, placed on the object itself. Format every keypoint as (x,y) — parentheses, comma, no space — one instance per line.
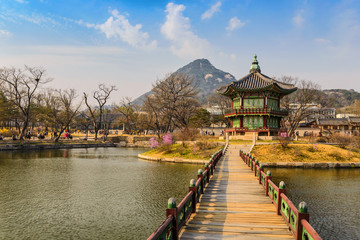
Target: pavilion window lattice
(253,122)
(236,122)
(237,103)
(272,103)
(253,102)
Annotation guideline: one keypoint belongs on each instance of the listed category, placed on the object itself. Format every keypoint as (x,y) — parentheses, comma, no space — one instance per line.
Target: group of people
(209,133)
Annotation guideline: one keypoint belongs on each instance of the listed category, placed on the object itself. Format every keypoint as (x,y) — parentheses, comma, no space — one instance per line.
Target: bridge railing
(296,219)
(177,215)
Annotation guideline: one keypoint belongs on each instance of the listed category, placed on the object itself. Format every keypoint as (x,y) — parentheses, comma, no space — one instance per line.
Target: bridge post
(172,210)
(211,167)
(302,214)
(200,175)
(261,168)
(281,190)
(192,188)
(256,164)
(267,178)
(208,172)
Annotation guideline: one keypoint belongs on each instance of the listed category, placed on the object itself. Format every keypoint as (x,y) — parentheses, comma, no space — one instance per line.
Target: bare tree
(299,102)
(354,108)
(101,96)
(221,102)
(184,111)
(155,120)
(83,120)
(129,112)
(171,99)
(62,108)
(20,87)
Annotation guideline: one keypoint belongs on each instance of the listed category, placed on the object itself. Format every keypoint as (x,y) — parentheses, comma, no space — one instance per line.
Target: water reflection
(104,193)
(332,195)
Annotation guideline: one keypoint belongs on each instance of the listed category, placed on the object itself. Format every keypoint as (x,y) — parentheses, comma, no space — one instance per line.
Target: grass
(304,153)
(185,152)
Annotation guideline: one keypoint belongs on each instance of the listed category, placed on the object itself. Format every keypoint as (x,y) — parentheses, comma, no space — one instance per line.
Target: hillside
(206,77)
(339,98)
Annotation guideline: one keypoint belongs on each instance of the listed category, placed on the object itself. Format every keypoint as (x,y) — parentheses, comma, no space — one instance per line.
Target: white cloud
(234,23)
(37,19)
(231,56)
(5,33)
(322,40)
(298,19)
(118,26)
(21,1)
(210,12)
(176,29)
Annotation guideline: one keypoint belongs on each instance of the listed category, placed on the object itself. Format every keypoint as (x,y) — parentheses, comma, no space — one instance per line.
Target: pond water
(332,195)
(108,193)
(102,193)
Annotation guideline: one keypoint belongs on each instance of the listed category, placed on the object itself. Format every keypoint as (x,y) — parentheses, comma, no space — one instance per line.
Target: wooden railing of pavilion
(176,216)
(257,111)
(296,219)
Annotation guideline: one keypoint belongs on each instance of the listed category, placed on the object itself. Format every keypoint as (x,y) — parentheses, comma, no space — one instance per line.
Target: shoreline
(306,165)
(172,160)
(11,147)
(312,165)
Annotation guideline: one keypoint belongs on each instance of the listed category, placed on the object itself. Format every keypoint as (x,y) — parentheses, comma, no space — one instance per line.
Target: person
(14,137)
(297,135)
(1,137)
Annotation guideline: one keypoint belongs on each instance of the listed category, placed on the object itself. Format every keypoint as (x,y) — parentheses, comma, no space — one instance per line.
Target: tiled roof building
(256,102)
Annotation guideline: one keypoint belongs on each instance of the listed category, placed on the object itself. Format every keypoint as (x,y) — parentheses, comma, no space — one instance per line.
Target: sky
(131,44)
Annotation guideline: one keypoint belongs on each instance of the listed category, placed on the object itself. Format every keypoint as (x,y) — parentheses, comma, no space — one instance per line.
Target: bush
(186,134)
(321,140)
(342,140)
(355,143)
(8,133)
(284,139)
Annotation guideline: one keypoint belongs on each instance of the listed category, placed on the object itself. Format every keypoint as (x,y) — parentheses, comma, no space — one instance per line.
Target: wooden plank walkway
(234,206)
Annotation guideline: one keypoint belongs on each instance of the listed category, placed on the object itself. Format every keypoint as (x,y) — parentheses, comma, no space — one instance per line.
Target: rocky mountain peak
(206,77)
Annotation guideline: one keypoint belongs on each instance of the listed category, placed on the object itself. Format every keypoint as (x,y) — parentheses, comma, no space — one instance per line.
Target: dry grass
(185,152)
(304,153)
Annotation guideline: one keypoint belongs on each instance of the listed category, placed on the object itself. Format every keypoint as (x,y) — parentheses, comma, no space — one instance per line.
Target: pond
(332,195)
(100,193)
(108,193)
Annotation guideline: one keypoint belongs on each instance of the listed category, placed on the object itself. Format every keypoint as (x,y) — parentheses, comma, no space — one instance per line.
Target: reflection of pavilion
(256,103)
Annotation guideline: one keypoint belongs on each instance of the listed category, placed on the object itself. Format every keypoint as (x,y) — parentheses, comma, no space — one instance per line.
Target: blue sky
(130,44)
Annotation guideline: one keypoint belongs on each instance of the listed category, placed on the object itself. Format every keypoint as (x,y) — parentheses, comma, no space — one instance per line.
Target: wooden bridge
(239,202)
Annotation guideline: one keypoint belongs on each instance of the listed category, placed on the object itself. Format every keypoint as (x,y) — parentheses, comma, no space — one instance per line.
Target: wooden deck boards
(234,206)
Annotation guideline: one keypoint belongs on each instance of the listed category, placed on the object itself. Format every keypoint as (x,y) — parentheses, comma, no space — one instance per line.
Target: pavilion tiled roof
(333,121)
(255,81)
(354,120)
(258,80)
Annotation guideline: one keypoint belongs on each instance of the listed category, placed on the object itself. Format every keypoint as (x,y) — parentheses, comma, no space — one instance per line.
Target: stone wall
(131,141)
(8,147)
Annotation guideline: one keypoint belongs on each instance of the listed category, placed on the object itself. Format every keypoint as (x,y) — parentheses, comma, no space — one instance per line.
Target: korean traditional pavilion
(256,103)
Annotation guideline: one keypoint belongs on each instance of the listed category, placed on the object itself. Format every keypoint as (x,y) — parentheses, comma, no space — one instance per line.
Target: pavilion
(255,103)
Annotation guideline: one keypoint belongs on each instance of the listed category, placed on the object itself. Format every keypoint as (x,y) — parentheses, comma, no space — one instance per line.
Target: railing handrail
(299,226)
(310,229)
(162,227)
(254,109)
(184,200)
(192,194)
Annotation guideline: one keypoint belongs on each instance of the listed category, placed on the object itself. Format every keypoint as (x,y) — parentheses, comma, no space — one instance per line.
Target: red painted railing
(296,219)
(176,216)
(255,111)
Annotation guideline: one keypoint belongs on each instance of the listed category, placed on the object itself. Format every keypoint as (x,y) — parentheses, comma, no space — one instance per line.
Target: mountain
(339,98)
(206,77)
